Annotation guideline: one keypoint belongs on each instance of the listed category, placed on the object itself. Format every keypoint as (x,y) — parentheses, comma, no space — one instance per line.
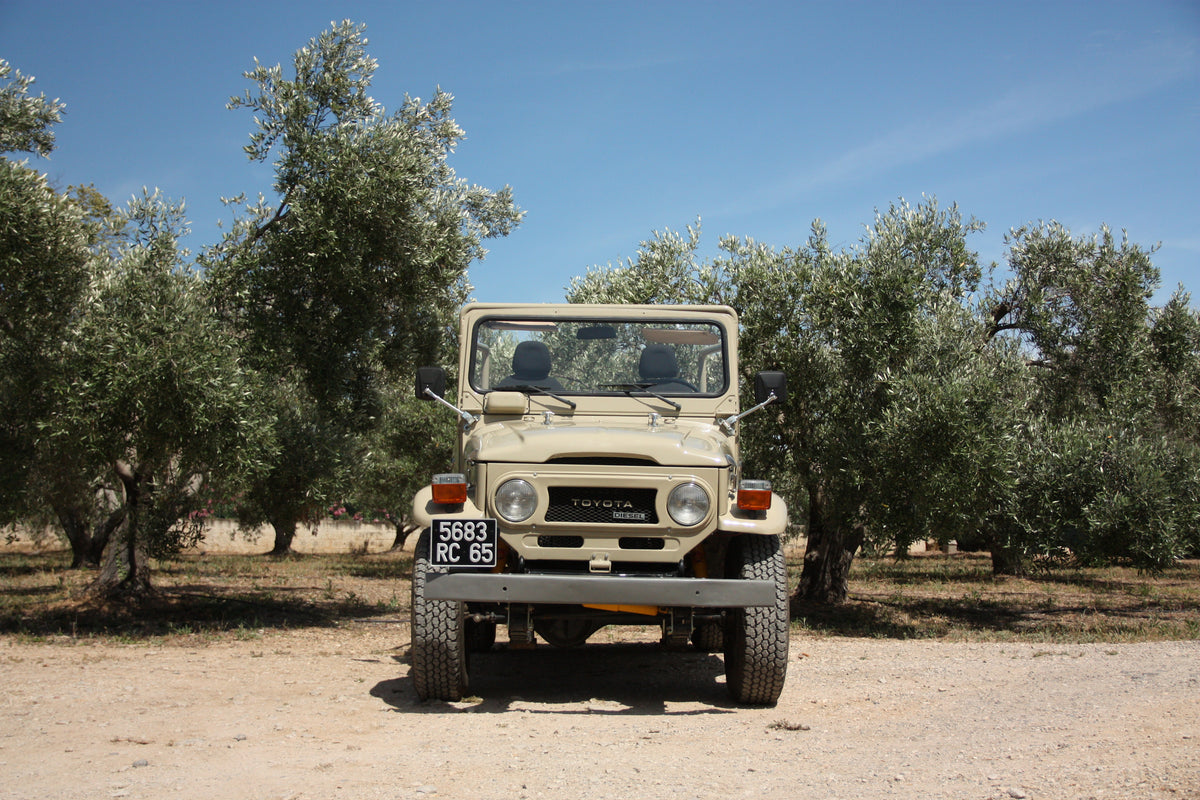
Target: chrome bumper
(599,590)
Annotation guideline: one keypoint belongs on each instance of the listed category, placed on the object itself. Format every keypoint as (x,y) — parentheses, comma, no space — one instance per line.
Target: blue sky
(614,119)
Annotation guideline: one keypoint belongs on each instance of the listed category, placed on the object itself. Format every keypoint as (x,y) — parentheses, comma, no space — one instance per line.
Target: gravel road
(331,714)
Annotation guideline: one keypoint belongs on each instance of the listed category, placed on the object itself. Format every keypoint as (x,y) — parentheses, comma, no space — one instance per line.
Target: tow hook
(600,563)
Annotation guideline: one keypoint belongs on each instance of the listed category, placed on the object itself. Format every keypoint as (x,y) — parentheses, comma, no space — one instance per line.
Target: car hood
(669,443)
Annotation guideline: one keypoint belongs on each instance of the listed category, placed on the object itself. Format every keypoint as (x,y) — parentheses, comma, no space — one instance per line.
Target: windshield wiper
(530,388)
(644,388)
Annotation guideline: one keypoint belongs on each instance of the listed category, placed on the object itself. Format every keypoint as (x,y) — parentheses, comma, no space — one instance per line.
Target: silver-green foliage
(1082,305)
(924,404)
(26,122)
(43,271)
(414,439)
(361,259)
(1109,468)
(855,331)
(153,388)
(353,272)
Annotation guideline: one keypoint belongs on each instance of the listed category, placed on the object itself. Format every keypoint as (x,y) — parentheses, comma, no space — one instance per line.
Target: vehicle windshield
(591,356)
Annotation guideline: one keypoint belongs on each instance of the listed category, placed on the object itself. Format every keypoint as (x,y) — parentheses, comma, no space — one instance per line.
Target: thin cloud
(1025,108)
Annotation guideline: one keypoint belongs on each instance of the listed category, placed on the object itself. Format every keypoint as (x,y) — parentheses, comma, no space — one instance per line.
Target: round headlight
(516,500)
(688,504)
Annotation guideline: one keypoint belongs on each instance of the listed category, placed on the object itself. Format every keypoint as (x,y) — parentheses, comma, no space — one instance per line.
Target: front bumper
(599,590)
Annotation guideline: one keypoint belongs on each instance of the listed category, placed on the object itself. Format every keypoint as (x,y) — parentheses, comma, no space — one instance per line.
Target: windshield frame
(708,360)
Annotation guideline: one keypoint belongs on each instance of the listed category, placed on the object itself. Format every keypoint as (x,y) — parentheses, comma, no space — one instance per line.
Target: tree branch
(280,213)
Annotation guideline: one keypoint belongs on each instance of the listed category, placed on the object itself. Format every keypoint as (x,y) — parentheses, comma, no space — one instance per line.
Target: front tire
(756,639)
(439,646)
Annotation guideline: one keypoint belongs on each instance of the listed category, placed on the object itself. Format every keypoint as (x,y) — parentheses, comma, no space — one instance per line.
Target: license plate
(464,543)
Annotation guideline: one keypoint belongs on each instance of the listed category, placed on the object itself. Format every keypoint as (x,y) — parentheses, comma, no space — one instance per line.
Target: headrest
(658,363)
(531,361)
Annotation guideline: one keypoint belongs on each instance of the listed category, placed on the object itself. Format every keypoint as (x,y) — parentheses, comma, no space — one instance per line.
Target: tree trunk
(403,531)
(75,527)
(103,532)
(828,556)
(1007,557)
(285,532)
(125,574)
(1007,561)
(87,549)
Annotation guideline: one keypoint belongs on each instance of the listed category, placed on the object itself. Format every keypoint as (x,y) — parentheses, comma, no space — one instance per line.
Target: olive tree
(1056,414)
(43,268)
(44,257)
(51,246)
(26,122)
(393,461)
(1175,345)
(866,335)
(1083,306)
(296,485)
(1109,467)
(349,273)
(65,484)
(153,390)
(863,335)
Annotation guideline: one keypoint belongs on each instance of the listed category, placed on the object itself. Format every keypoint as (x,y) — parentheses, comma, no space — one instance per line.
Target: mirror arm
(728,423)
(467,417)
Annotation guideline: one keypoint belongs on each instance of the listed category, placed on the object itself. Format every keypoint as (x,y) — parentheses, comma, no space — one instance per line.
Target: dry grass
(206,595)
(956,597)
(944,597)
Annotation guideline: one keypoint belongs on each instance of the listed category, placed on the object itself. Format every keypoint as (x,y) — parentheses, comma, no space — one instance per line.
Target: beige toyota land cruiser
(598,482)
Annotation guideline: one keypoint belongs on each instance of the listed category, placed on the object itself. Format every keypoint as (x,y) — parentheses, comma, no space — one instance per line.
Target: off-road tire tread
(439,647)
(756,639)
(709,637)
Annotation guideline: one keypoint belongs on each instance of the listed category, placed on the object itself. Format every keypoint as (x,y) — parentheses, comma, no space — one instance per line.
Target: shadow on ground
(185,609)
(202,594)
(625,678)
(909,617)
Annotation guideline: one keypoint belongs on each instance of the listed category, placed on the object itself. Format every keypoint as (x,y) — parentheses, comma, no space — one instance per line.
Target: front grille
(640,543)
(602,506)
(560,541)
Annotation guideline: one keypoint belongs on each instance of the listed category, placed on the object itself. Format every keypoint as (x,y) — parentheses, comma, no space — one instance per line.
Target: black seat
(658,364)
(659,368)
(531,367)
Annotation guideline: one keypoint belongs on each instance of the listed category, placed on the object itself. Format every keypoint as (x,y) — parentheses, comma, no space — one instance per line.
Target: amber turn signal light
(754,495)
(450,488)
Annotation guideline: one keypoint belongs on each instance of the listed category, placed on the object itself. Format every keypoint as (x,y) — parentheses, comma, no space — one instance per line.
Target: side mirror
(766,383)
(433,379)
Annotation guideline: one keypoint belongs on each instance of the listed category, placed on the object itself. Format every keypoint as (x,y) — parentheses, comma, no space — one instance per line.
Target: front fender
(424,509)
(772,523)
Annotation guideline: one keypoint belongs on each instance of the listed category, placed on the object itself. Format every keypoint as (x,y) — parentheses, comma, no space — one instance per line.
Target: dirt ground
(332,713)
